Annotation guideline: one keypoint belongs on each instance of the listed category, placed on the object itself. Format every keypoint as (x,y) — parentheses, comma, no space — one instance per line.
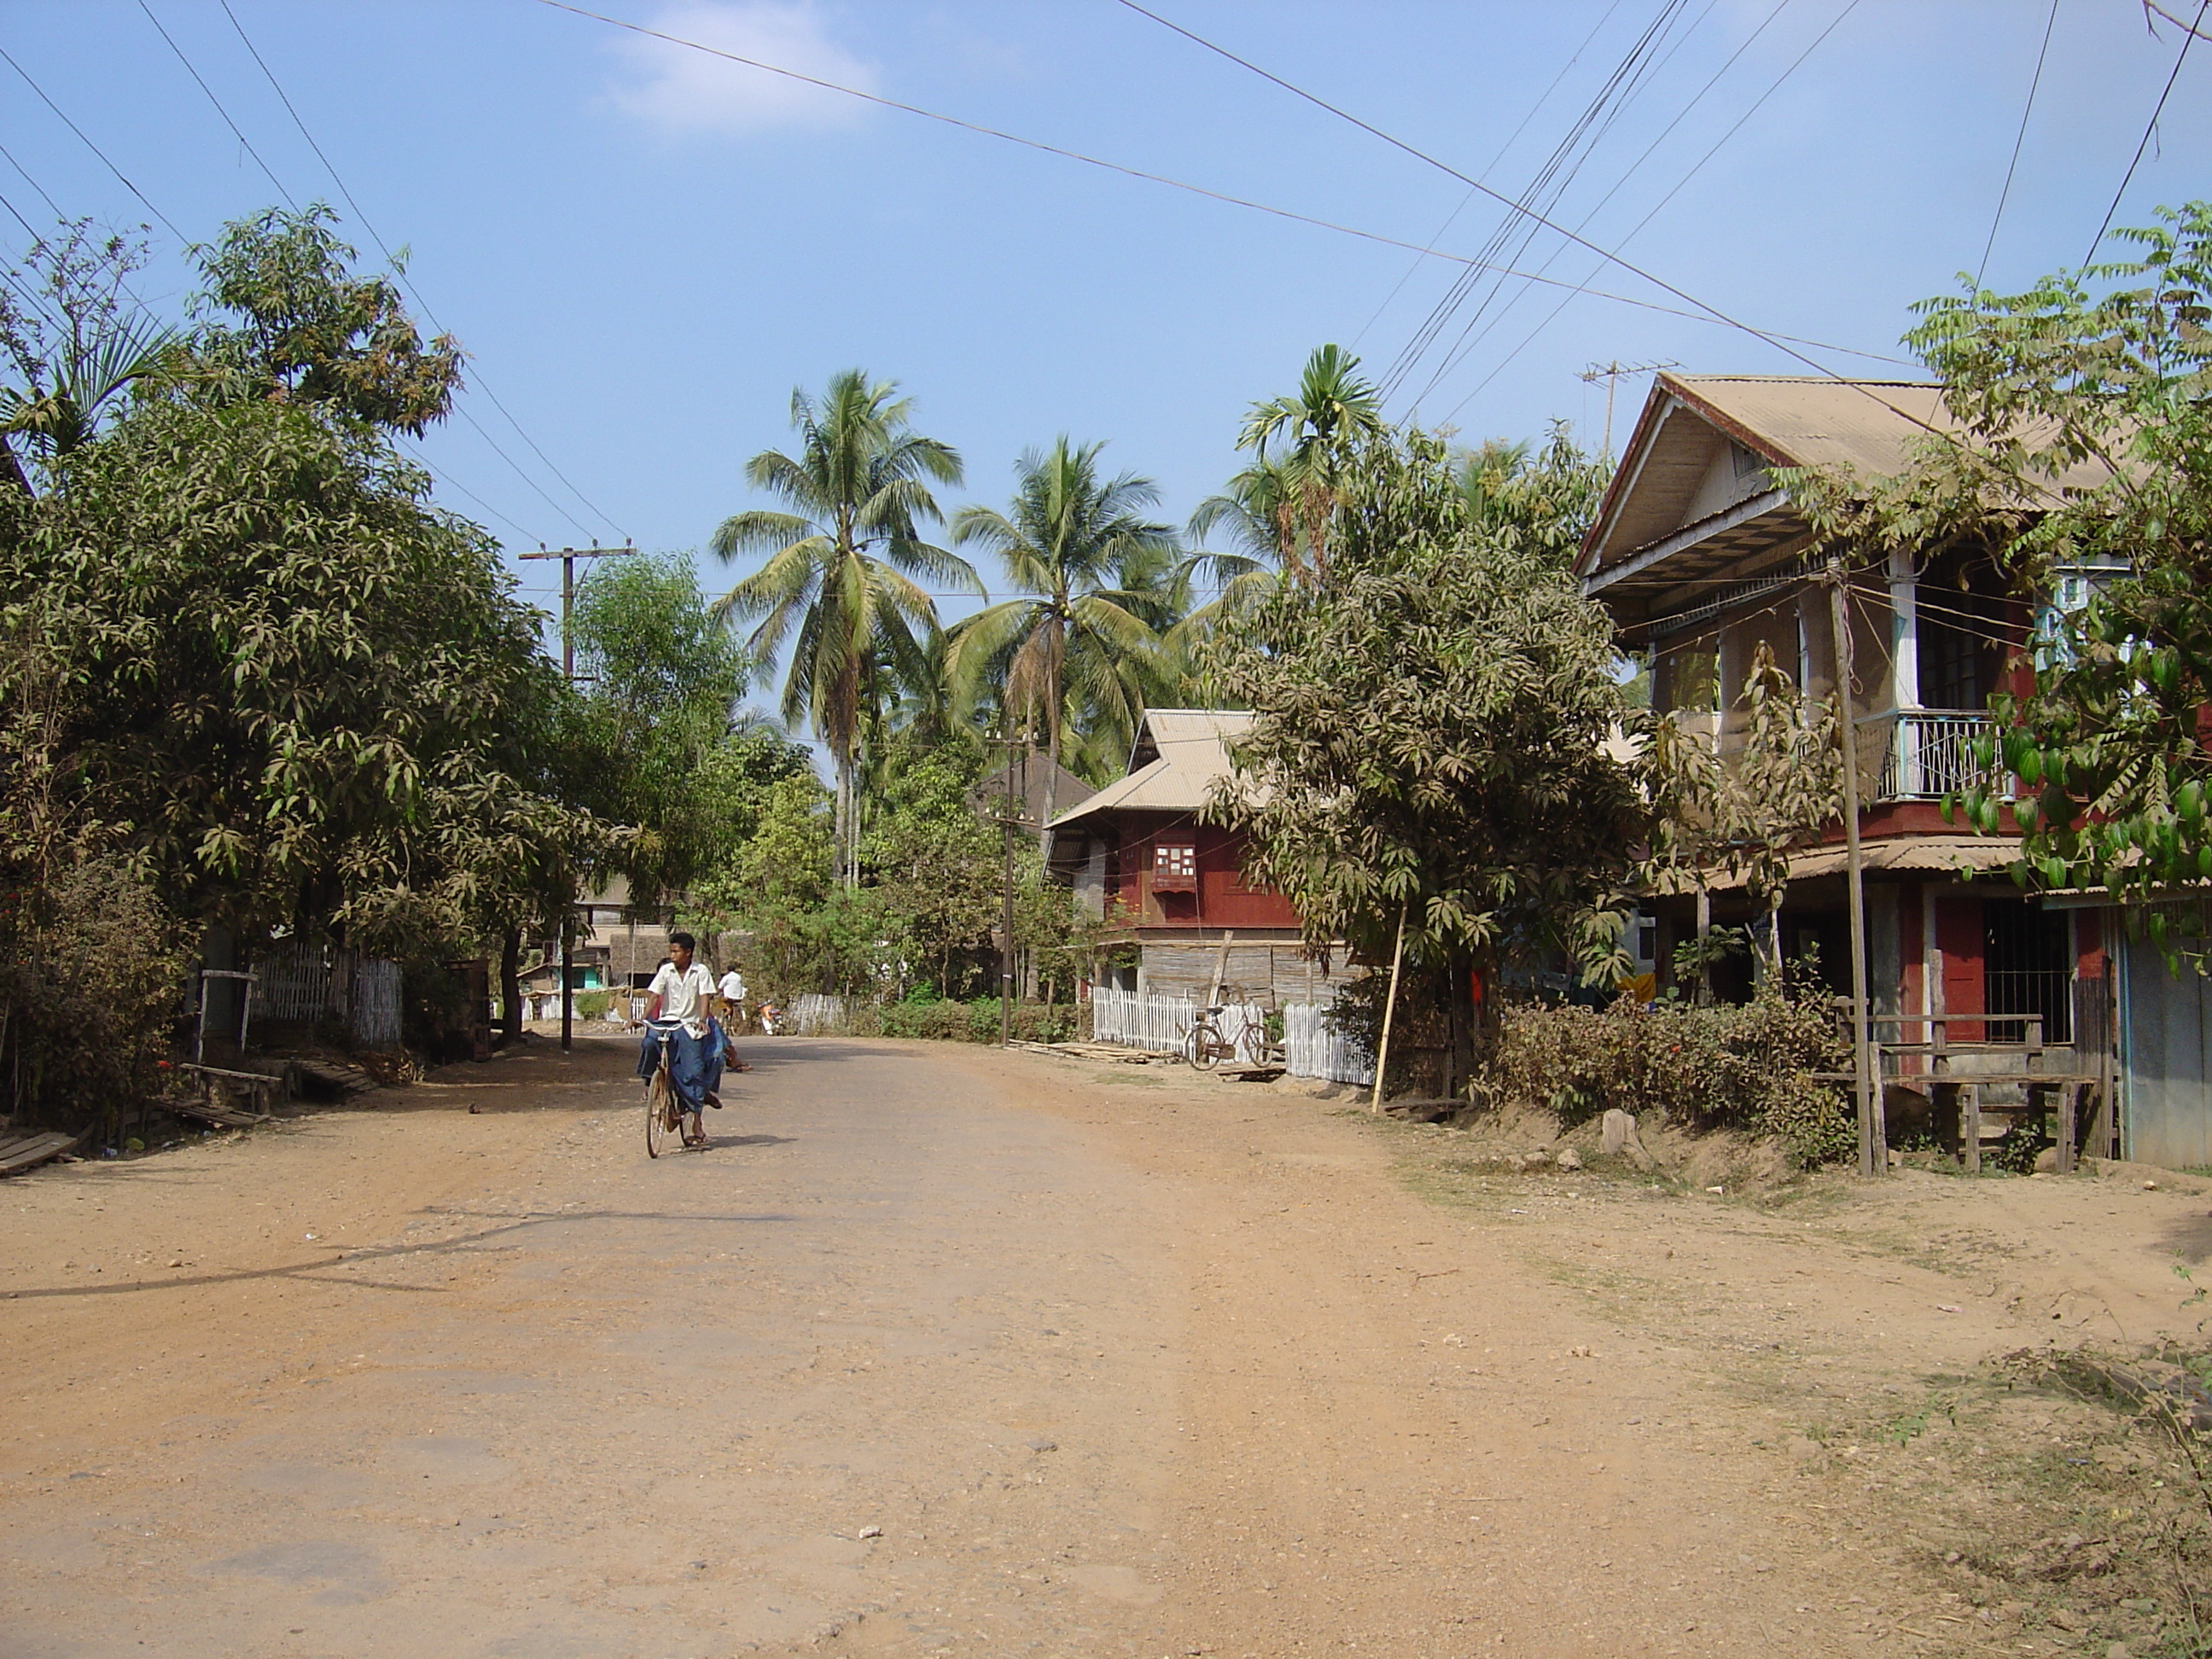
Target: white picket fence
(1313,1049)
(1159,1025)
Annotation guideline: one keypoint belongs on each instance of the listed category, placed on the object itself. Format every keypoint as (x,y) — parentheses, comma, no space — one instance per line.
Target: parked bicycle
(1206,1044)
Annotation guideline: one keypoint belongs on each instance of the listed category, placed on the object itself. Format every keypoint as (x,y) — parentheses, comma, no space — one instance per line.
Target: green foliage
(938,870)
(1429,732)
(1740,1067)
(309,330)
(71,346)
(92,969)
(1079,651)
(978,1021)
(839,581)
(2083,447)
(1743,813)
(287,677)
(653,742)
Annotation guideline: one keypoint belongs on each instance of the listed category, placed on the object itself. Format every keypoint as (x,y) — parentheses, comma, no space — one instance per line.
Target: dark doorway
(2027,967)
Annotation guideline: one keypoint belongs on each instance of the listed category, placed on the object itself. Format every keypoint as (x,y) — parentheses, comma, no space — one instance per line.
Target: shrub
(1739,1068)
(92,972)
(971,1022)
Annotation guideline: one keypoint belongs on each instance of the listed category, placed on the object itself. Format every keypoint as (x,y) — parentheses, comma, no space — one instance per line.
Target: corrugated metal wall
(1175,970)
(2169,1072)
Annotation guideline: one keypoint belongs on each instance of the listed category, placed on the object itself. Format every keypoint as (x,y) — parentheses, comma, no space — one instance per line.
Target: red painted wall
(1221,901)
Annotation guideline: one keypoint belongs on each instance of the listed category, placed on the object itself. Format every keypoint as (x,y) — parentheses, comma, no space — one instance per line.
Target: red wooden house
(1138,853)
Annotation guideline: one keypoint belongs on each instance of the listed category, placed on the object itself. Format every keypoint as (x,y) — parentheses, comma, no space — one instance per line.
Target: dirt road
(943,1349)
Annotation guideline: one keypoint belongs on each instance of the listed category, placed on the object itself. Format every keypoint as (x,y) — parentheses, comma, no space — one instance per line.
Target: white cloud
(684,90)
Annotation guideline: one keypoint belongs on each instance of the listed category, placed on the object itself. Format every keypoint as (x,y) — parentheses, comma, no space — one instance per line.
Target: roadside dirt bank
(943,1349)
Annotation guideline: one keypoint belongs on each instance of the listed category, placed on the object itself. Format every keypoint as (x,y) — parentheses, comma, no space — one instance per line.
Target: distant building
(1135,853)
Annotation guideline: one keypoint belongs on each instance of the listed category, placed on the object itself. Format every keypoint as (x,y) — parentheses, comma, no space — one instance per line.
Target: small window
(1174,867)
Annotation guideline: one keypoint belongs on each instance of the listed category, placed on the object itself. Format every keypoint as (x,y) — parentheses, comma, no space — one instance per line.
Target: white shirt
(734,987)
(683,996)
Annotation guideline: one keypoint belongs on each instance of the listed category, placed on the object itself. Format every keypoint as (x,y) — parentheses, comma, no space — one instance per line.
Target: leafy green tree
(285,675)
(1076,647)
(800,929)
(291,322)
(2080,441)
(1428,746)
(1745,814)
(938,869)
(1331,419)
(666,750)
(839,582)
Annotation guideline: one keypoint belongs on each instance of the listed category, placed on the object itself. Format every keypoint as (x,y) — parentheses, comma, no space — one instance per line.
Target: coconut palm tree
(839,580)
(1096,581)
(1329,416)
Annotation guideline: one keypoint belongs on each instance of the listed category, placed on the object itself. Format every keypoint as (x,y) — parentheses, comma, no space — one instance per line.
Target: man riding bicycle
(680,1009)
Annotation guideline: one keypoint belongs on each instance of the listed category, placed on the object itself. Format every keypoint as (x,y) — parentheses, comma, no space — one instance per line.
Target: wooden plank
(2069,1110)
(228,1117)
(28,1151)
(1970,1126)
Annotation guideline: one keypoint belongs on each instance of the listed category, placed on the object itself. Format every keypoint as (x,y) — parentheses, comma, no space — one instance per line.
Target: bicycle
(1205,1046)
(664,1106)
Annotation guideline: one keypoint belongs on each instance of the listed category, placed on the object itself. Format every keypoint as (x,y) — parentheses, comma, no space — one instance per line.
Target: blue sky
(645,249)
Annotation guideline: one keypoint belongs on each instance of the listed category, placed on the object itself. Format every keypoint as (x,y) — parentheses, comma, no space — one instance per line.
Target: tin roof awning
(1723,545)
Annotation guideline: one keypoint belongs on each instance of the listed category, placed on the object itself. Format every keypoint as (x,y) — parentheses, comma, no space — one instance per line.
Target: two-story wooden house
(1137,854)
(1702,558)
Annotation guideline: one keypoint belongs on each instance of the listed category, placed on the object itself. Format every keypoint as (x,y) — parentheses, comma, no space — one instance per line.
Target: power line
(1705,313)
(1687,298)
(89,145)
(247,142)
(2019,138)
(1543,98)
(2188,39)
(482,384)
(1464,347)
(1545,191)
(1681,183)
(53,205)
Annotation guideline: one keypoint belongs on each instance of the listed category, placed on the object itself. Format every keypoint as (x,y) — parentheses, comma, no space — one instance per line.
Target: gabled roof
(1178,754)
(1689,420)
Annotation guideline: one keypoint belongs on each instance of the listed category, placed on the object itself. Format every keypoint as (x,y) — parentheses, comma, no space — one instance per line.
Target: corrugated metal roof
(1186,752)
(1798,420)
(1676,457)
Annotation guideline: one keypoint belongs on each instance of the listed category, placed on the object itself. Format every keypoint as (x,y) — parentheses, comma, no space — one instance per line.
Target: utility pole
(1611,375)
(1006,821)
(568,555)
(1873,1157)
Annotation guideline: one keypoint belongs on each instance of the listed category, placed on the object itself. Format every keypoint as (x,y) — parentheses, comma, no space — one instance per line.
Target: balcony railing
(1930,755)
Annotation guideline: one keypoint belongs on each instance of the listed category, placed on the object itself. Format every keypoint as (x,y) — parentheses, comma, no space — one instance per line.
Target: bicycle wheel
(660,1118)
(1200,1048)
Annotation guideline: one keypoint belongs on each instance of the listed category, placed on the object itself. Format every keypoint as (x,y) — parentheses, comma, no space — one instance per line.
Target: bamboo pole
(1389,1009)
(1873,1157)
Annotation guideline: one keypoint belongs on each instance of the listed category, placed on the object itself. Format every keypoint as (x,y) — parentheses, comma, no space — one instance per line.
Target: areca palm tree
(1096,577)
(839,580)
(1326,420)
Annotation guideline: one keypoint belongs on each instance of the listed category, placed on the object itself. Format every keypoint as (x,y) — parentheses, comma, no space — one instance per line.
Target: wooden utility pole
(1611,375)
(1012,811)
(1389,1010)
(568,555)
(1874,1156)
